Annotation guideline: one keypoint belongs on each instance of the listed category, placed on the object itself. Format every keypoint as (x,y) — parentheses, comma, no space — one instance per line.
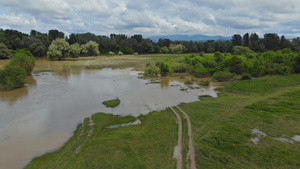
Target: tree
(236,40)
(179,48)
(164,50)
(37,47)
(246,39)
(254,42)
(271,41)
(75,50)
(24,59)
(5,53)
(59,48)
(12,77)
(54,34)
(91,48)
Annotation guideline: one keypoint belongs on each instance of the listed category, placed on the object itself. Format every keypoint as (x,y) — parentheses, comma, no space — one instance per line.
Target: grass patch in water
(112,103)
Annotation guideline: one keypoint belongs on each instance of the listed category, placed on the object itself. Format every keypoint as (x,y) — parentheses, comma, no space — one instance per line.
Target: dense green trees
(39,43)
(5,53)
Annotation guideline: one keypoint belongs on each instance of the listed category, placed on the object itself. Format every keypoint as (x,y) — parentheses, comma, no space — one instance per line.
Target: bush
(151,70)
(136,53)
(200,71)
(164,68)
(179,67)
(204,82)
(222,76)
(120,53)
(246,77)
(111,53)
(24,59)
(12,77)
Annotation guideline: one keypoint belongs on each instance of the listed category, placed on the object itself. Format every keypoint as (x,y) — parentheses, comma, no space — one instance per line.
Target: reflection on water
(10,97)
(41,116)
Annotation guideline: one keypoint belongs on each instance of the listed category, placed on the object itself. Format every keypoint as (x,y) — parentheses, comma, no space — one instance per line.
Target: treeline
(223,66)
(38,43)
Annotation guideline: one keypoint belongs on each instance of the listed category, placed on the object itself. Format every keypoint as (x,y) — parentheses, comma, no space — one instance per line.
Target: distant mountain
(188,37)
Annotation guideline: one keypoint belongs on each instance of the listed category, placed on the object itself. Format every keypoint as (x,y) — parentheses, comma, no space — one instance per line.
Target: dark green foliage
(246,77)
(211,50)
(5,53)
(127,50)
(12,77)
(24,59)
(222,76)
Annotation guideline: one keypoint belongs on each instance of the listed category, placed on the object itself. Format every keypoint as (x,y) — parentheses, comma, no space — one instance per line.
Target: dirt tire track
(178,149)
(191,148)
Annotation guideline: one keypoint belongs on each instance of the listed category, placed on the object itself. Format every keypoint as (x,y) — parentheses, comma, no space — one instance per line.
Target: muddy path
(191,147)
(178,149)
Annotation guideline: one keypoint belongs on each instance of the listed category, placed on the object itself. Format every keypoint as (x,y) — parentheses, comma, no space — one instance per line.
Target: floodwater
(41,116)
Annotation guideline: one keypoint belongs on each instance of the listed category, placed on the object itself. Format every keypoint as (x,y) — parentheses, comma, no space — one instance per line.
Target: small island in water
(112,103)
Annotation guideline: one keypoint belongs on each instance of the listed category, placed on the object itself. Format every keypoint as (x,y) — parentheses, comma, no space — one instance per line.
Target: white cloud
(152,17)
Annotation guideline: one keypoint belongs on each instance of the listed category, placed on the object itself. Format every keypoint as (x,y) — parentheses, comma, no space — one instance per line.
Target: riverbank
(223,132)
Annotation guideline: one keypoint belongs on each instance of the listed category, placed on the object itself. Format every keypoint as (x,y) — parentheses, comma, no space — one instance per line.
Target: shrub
(200,70)
(246,77)
(222,76)
(164,68)
(120,53)
(204,82)
(179,67)
(12,77)
(111,53)
(24,59)
(151,70)
(136,53)
(189,81)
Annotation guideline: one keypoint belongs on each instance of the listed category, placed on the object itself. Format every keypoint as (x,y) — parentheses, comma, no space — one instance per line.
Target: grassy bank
(223,126)
(148,145)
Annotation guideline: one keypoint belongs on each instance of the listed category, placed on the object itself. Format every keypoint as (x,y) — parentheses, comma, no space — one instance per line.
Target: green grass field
(223,126)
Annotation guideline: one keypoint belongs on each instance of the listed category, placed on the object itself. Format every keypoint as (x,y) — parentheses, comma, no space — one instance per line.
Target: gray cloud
(153,17)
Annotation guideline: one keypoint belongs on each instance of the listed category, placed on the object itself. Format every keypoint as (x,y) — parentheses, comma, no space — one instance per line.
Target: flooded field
(41,116)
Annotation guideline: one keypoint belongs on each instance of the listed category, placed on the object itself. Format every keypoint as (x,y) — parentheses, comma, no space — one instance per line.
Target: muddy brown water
(41,116)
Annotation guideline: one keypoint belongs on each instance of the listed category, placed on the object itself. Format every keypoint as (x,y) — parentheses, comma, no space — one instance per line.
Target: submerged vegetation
(112,103)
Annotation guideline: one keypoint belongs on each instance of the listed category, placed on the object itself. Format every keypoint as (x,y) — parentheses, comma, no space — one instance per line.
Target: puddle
(136,122)
(259,134)
(296,138)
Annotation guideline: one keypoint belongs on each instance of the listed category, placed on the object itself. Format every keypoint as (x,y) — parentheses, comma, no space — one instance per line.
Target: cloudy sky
(153,17)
